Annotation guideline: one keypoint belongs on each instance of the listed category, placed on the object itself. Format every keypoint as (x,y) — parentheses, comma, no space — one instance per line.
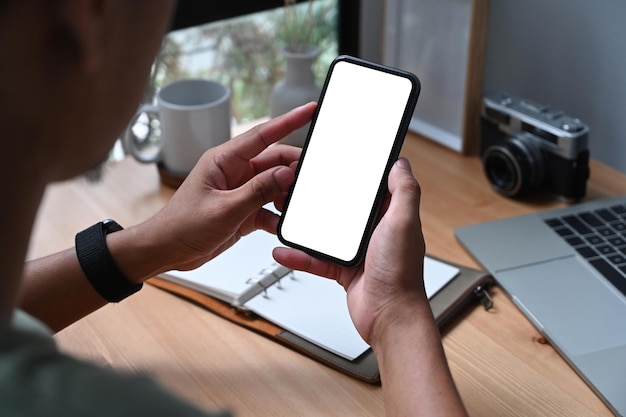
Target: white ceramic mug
(192,116)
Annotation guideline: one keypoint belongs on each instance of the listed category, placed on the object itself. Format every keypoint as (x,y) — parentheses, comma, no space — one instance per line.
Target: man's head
(73,73)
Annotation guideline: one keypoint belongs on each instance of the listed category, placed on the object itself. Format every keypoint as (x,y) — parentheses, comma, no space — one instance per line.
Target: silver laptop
(565,269)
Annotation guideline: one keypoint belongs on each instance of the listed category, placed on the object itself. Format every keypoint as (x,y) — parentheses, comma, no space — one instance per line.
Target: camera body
(526,146)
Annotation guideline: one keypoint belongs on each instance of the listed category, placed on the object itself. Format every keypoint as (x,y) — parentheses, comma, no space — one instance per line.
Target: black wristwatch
(98,264)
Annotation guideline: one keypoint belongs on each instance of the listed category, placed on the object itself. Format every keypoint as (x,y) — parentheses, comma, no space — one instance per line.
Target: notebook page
(316,311)
(436,275)
(225,276)
(313,308)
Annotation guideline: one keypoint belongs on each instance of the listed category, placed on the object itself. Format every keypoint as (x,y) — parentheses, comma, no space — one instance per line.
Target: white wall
(371,37)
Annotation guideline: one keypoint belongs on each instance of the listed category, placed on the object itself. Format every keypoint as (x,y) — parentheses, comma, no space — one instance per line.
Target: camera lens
(514,166)
(501,172)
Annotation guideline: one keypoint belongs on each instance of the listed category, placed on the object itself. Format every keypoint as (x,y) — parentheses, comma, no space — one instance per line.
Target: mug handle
(133,144)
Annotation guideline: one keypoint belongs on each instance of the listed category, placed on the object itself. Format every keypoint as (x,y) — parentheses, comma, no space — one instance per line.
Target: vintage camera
(527,146)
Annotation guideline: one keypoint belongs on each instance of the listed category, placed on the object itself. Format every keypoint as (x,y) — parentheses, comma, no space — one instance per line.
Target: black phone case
(382,189)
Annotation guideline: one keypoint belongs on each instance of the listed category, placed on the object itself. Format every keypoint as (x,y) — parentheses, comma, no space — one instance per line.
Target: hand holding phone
(355,136)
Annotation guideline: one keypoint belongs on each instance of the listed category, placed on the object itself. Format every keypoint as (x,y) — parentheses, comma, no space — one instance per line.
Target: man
(72,74)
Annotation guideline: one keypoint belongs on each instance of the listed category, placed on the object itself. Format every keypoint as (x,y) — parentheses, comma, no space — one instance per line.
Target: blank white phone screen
(345,161)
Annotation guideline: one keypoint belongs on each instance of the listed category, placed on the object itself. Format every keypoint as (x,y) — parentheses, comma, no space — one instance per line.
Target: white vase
(297,88)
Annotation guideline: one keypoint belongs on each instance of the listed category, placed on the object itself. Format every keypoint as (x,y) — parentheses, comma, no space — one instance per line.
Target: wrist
(399,318)
(137,253)
(98,264)
(413,368)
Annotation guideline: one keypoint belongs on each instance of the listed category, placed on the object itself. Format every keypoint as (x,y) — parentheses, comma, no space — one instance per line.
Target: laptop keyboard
(599,236)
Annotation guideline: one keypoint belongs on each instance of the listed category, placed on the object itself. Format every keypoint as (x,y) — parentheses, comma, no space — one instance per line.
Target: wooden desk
(501,364)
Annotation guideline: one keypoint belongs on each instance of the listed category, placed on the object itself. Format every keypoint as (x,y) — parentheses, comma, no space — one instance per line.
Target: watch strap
(99,266)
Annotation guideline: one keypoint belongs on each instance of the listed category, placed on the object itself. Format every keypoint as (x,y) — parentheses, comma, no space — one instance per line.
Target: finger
(298,260)
(261,189)
(403,187)
(266,220)
(402,218)
(254,141)
(275,155)
(280,201)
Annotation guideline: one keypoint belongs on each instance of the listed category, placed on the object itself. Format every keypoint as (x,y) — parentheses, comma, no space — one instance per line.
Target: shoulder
(37,379)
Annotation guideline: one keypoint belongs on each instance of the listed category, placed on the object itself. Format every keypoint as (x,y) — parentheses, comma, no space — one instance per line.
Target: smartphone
(354,138)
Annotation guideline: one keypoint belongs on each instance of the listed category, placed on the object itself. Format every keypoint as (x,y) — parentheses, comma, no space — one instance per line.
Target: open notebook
(312,310)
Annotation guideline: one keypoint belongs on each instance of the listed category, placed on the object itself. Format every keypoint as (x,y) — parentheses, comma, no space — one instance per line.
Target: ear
(82,23)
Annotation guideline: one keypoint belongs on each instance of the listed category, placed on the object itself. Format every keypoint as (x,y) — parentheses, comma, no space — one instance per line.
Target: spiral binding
(265,279)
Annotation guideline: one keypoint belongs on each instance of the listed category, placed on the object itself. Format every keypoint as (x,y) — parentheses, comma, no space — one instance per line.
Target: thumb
(264,187)
(401,177)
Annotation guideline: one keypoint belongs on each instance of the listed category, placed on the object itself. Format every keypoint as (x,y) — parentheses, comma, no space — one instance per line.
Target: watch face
(111,226)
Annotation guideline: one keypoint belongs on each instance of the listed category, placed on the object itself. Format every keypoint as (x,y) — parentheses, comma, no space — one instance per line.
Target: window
(220,42)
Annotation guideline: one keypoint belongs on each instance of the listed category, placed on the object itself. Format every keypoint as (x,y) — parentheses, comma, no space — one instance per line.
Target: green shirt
(38,380)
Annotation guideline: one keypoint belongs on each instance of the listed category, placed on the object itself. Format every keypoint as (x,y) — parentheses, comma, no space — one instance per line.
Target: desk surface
(501,364)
